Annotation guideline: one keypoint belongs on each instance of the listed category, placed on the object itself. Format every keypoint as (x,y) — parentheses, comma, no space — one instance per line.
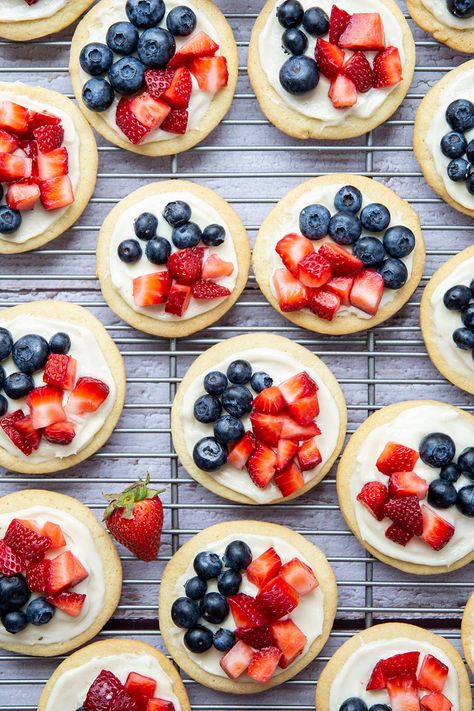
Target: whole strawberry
(135,519)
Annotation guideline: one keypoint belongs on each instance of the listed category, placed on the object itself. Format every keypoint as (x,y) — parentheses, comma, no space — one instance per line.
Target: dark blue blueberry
(441,494)
(97,94)
(458,169)
(453,144)
(239,372)
(207,408)
(60,343)
(207,565)
(158,250)
(156,47)
(198,639)
(348,199)
(437,449)
(470,183)
(460,115)
(129,251)
(394,273)
(6,343)
(316,22)
(122,38)
(470,151)
(145,226)
(461,8)
(237,400)
(213,235)
(214,608)
(260,380)
(295,41)
(237,555)
(181,21)
(228,429)
(229,582)
(465,500)
(298,75)
(464,338)
(14,622)
(209,454)
(215,383)
(466,462)
(2,375)
(290,13)
(224,640)
(457,297)
(450,472)
(471,286)
(195,588)
(10,220)
(399,241)
(314,221)
(353,704)
(370,251)
(467,316)
(14,592)
(30,353)
(127,75)
(380,707)
(344,228)
(177,213)
(18,385)
(40,612)
(96,58)
(187,235)
(3,405)
(185,612)
(375,217)
(145,13)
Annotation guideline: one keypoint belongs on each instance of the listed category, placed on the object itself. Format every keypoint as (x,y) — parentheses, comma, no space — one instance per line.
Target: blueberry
(97,94)
(2,375)
(185,612)
(177,213)
(316,22)
(214,608)
(96,58)
(294,41)
(470,151)
(298,75)
(260,380)
(450,472)
(195,588)
(375,217)
(370,251)
(209,454)
(40,612)
(466,462)
(441,494)
(228,429)
(461,8)
(344,228)
(187,235)
(348,199)
(237,555)
(156,47)
(290,13)
(207,408)
(158,250)
(198,639)
(465,500)
(239,372)
(314,221)
(145,226)
(471,286)
(215,383)
(3,405)
(213,235)
(464,338)
(6,343)
(237,400)
(18,385)
(229,582)
(453,144)
(14,622)
(30,353)
(127,75)
(394,273)
(467,316)
(353,704)
(207,565)
(458,169)
(224,640)
(14,592)
(460,115)
(470,183)
(60,343)
(457,297)
(399,241)
(437,449)
(181,21)
(122,38)
(145,13)
(129,251)
(10,220)
(380,707)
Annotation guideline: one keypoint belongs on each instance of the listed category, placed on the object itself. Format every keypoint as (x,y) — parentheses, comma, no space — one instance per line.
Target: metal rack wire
(385,365)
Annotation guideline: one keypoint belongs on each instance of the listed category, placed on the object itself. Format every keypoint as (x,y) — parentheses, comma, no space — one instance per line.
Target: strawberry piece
(199,45)
(178,299)
(406,484)
(359,71)
(286,451)
(289,479)
(30,149)
(178,93)
(207,289)
(148,111)
(364,31)
(261,465)
(8,425)
(314,270)
(30,524)
(22,196)
(433,674)
(176,121)
(292,249)
(14,167)
(214,267)
(41,118)
(54,532)
(158,80)
(377,678)
(241,451)
(406,513)
(270,401)
(291,294)
(37,576)
(338,21)
(298,386)
(289,639)
(309,455)
(437,532)
(141,688)
(374,496)
(403,693)
(10,562)
(401,664)
(151,289)
(56,192)
(60,370)
(46,406)
(13,117)
(8,143)
(263,664)
(299,576)
(324,304)
(264,568)
(329,58)
(128,123)
(436,702)
(69,602)
(60,432)
(87,396)
(48,137)
(398,535)
(367,291)
(245,611)
(341,286)
(305,410)
(65,572)
(292,430)
(277,599)
(185,265)
(387,68)
(342,262)
(102,692)
(124,702)
(266,428)
(27,543)
(237,659)
(342,92)
(256,637)
(396,458)
(160,705)
(32,436)
(53,164)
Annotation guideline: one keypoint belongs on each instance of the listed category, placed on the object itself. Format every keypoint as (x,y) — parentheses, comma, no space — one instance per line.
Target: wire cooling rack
(252,165)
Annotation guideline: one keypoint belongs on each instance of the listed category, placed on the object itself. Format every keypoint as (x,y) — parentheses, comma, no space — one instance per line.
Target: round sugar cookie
(455,37)
(29,29)
(467,632)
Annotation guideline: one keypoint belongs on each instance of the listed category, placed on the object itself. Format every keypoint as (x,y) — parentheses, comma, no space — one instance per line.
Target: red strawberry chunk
(292,430)
(266,428)
(270,401)
(367,291)
(87,396)
(102,692)
(185,265)
(329,58)
(324,304)
(8,143)
(14,167)
(151,289)
(60,370)
(341,286)
(364,31)
(8,425)
(37,576)
(46,406)
(437,532)
(208,289)
(433,674)
(245,611)
(199,45)
(30,149)
(27,543)
(13,117)
(65,572)
(396,458)
(377,678)
(401,664)
(178,299)
(314,270)
(403,693)
(176,121)
(300,576)
(298,386)
(53,164)
(141,688)
(292,249)
(289,639)
(342,92)
(158,80)
(256,637)
(56,192)
(128,123)
(54,532)
(261,465)
(241,451)
(406,484)
(291,294)
(289,479)
(60,432)
(41,118)
(398,535)
(22,196)
(178,93)
(69,602)
(309,455)
(436,702)
(10,562)
(32,436)
(48,137)
(148,111)
(214,267)
(263,664)
(286,450)
(160,705)
(342,262)
(237,659)
(406,513)
(124,702)
(338,21)
(277,599)
(387,68)
(264,568)
(374,496)
(358,69)
(305,410)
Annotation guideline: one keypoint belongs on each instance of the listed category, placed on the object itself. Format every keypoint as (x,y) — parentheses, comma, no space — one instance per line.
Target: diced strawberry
(53,164)
(298,386)
(103,690)
(407,484)
(398,535)
(338,21)
(208,289)
(291,294)
(289,639)
(266,428)
(269,400)
(159,705)
(141,688)
(30,149)
(151,289)
(406,513)
(237,659)
(403,693)
(245,611)
(87,396)
(324,304)
(364,31)
(56,192)
(8,425)
(341,286)
(178,92)
(37,576)
(41,118)
(241,451)
(387,68)
(158,80)
(299,576)
(214,267)
(277,599)
(60,370)
(309,455)
(261,465)
(289,479)
(22,196)
(342,92)
(10,562)
(26,542)
(437,532)
(60,432)
(342,262)
(8,143)
(48,137)
(46,406)
(377,678)
(13,117)
(32,525)
(178,299)
(65,572)
(314,270)
(148,111)
(256,637)
(54,532)
(305,410)
(264,568)
(211,73)
(69,602)
(433,674)
(367,291)
(32,435)
(358,69)
(436,702)
(292,249)
(185,265)
(14,167)
(263,664)
(199,45)
(329,58)
(286,451)
(292,430)
(176,121)
(374,496)
(401,664)
(396,458)
(128,123)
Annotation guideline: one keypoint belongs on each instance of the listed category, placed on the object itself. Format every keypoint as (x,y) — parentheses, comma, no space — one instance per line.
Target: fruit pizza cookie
(405,486)
(62,386)
(48,166)
(449,21)
(394,667)
(467,632)
(154,77)
(339,254)
(172,258)
(61,576)
(330,71)
(246,605)
(29,19)
(115,675)
(443,138)
(447,319)
(258,420)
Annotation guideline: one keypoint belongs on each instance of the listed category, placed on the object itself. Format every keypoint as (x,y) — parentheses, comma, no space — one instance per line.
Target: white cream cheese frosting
(20,11)
(439,9)
(122,274)
(90,362)
(69,691)
(316,103)
(80,542)
(353,676)
(308,616)
(409,428)
(280,366)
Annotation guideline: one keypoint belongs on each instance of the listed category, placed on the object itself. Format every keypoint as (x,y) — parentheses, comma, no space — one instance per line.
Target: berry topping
(237,555)
(199,45)
(151,289)
(314,270)
(289,639)
(396,458)
(343,95)
(224,639)
(141,688)
(198,639)
(45,404)
(290,13)
(289,480)
(359,71)
(433,674)
(60,371)
(338,22)
(10,562)
(277,598)
(60,432)
(69,602)
(403,694)
(437,449)
(261,465)
(245,611)
(37,576)
(209,454)
(299,75)
(263,664)
(398,535)
(309,455)
(291,294)
(407,484)
(324,304)
(264,568)
(374,496)
(406,513)
(65,572)
(237,659)
(299,576)
(185,612)
(364,31)
(241,451)
(437,532)
(256,637)
(270,401)
(207,289)
(211,73)
(330,59)
(286,451)
(181,21)
(207,565)
(185,265)
(387,68)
